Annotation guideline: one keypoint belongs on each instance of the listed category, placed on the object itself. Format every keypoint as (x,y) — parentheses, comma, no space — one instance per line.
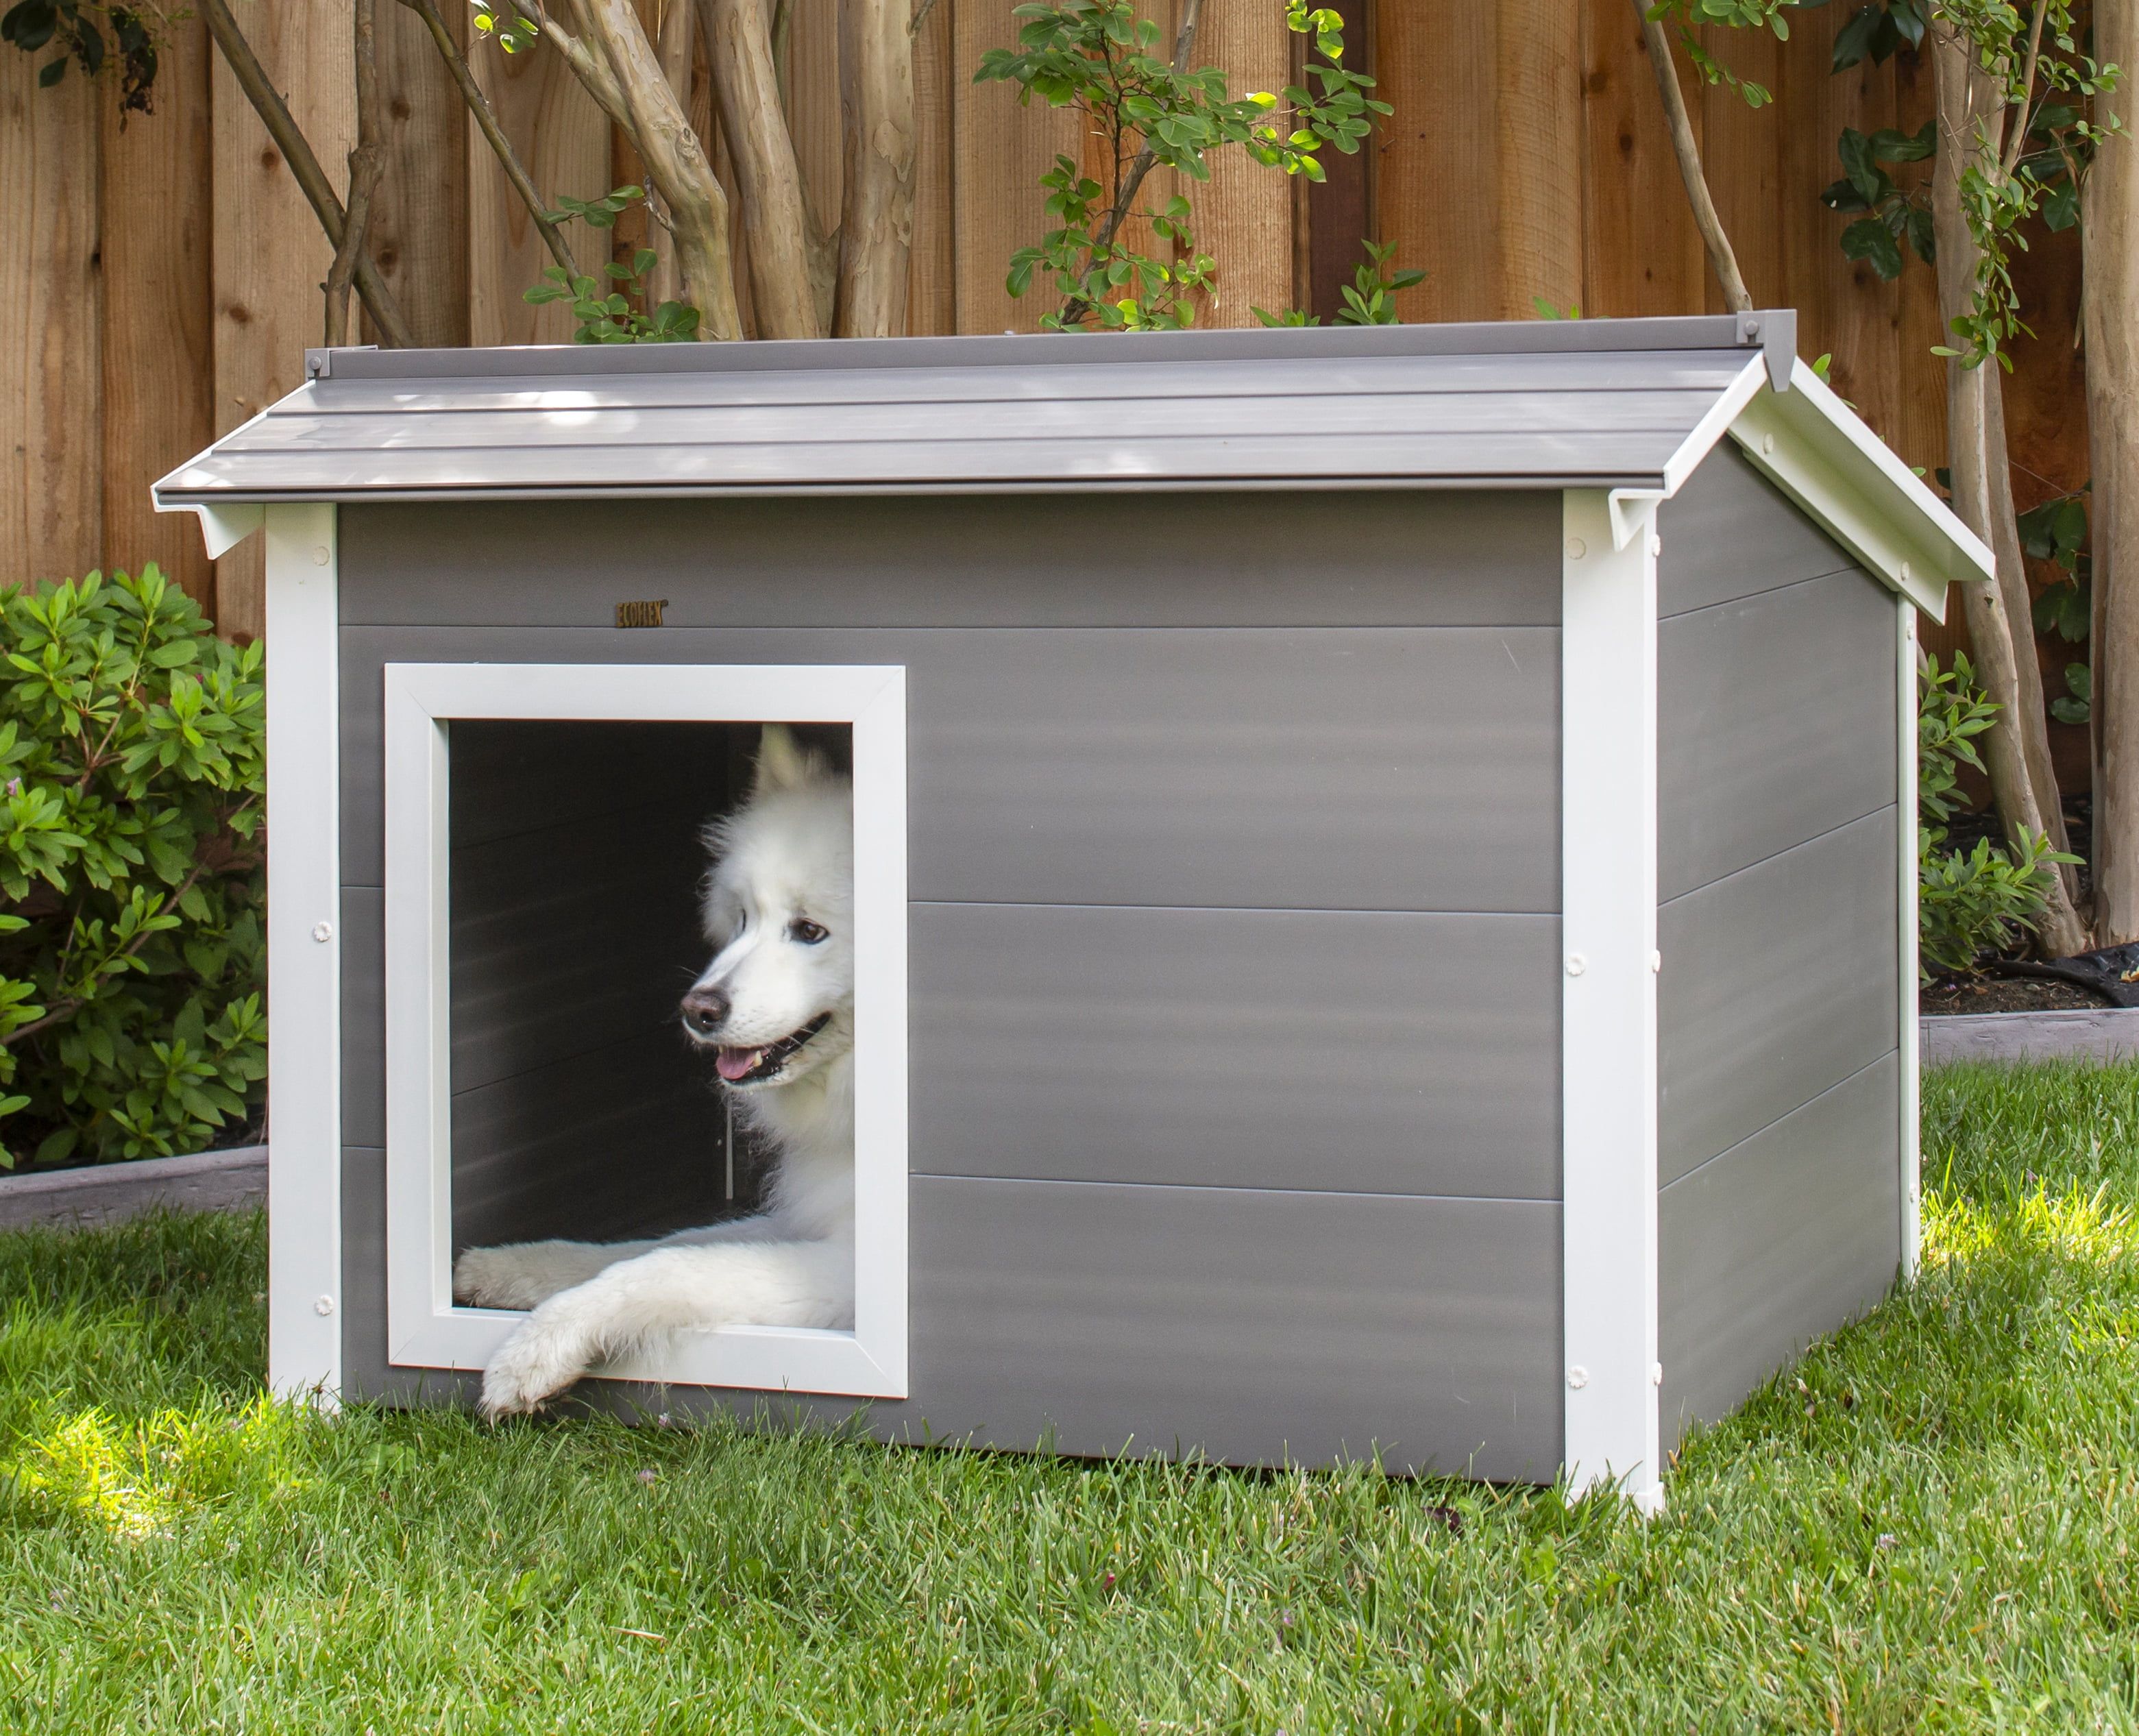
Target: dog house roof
(1631,406)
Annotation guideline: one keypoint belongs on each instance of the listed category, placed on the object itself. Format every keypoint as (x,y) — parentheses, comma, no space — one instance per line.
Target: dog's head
(777,1002)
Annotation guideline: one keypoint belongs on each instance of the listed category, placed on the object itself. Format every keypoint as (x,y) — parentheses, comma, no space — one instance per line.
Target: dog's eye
(806,931)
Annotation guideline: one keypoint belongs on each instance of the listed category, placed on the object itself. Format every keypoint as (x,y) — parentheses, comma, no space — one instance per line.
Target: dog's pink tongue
(734,1063)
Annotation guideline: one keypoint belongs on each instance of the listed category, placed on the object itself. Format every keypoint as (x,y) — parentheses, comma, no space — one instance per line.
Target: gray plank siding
(1342,1051)
(1773,710)
(1778,982)
(1455,560)
(1730,532)
(1234,948)
(1782,1238)
(1396,769)
(1255,1326)
(1780,1002)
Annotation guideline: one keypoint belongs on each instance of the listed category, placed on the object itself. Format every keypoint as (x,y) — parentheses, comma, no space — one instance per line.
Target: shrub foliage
(131,952)
(1969,902)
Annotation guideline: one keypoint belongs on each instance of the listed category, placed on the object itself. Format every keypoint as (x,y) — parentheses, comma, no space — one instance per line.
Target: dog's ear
(783,763)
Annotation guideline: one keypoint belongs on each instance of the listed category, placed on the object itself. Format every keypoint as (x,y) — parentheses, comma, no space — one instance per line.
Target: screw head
(322,932)
(1576,964)
(320,556)
(1577,1377)
(1656,1374)
(325,1305)
(1576,548)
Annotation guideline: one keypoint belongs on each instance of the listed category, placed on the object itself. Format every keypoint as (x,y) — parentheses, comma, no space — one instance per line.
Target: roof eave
(1820,453)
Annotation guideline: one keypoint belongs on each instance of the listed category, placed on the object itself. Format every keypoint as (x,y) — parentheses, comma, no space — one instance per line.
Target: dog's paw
(535,1364)
(523,1274)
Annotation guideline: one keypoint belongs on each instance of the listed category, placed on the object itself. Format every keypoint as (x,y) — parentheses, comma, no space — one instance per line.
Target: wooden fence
(159,279)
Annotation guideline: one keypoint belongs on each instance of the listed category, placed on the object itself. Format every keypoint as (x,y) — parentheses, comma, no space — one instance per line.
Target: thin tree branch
(486,122)
(289,139)
(366,163)
(1184,45)
(920,17)
(1720,256)
(2016,146)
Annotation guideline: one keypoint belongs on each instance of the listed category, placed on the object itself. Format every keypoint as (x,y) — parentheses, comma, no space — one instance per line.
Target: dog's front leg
(641,1303)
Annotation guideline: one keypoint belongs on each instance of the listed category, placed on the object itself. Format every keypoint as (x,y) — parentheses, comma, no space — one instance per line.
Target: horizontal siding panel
(363,1015)
(1446,560)
(1776,724)
(1402,770)
(1256,1327)
(1785,1236)
(1728,533)
(1778,983)
(1339,1051)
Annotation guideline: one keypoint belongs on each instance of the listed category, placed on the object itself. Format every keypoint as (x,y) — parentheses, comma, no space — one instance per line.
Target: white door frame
(424,1329)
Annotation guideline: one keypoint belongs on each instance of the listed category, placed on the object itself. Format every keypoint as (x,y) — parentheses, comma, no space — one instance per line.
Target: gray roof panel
(1602,403)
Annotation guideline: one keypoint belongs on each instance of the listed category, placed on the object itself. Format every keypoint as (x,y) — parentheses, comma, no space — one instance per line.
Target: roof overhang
(1630,407)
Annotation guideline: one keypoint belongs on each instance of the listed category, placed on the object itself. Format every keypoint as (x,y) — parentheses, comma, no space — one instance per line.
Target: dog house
(1383,861)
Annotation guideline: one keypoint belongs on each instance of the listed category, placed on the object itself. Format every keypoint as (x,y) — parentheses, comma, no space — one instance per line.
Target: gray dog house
(1383,861)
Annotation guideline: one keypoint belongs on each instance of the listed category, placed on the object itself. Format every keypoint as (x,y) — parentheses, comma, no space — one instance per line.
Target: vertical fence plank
(50,495)
(1437,165)
(1844,308)
(160,310)
(1002,151)
(418,233)
(1538,76)
(1243,213)
(1741,151)
(563,138)
(812,96)
(270,255)
(1643,252)
(932,297)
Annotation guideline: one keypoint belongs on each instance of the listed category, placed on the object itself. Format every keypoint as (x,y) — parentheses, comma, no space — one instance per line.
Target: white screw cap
(1576,964)
(1577,1376)
(325,1305)
(320,556)
(1656,1374)
(323,932)
(1576,548)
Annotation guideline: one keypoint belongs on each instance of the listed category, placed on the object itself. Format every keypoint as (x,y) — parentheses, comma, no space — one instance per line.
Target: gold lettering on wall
(641,614)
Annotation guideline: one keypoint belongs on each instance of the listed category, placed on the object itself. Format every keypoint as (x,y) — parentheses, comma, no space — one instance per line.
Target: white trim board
(1912,1093)
(304,957)
(424,1329)
(1608,1000)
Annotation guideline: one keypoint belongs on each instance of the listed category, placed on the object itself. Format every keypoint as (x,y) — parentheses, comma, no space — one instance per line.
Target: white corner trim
(1905,813)
(1819,451)
(424,1329)
(1608,1002)
(304,957)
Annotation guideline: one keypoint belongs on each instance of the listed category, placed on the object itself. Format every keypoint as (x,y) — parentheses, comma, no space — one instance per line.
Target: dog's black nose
(705,1010)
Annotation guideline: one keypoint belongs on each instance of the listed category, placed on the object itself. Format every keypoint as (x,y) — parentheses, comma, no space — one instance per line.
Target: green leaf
(1868,239)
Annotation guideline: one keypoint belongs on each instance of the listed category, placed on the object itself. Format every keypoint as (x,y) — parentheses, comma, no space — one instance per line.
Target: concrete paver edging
(230,1181)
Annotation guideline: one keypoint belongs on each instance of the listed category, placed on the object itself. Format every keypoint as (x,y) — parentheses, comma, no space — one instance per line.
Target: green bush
(131,955)
(1975,902)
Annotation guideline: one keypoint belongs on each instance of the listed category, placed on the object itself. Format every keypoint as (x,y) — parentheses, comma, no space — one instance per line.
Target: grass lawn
(1930,1524)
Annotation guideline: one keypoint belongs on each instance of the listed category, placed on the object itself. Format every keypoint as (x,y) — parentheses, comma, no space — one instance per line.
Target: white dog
(776,1009)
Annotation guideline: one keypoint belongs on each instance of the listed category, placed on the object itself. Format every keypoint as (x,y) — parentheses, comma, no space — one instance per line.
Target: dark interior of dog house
(577,859)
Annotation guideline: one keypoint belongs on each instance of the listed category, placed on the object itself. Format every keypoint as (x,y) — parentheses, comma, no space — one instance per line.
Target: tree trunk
(2110,224)
(664,280)
(2017,746)
(876,221)
(674,160)
(775,216)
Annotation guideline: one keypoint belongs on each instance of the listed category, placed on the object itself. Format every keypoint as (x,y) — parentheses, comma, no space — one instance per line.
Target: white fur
(785,857)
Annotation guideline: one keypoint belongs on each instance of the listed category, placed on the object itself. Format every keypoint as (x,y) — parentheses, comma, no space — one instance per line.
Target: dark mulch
(2003,995)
